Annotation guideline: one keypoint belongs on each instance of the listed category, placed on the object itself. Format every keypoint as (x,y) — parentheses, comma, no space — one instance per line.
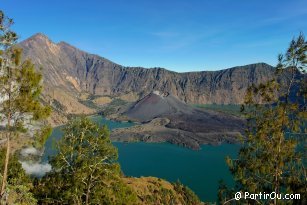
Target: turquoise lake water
(200,170)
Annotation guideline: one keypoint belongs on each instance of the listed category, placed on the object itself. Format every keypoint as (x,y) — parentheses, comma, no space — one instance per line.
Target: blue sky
(180,35)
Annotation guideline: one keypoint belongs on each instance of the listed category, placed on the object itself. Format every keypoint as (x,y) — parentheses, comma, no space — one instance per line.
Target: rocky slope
(165,118)
(75,71)
(157,104)
(158,130)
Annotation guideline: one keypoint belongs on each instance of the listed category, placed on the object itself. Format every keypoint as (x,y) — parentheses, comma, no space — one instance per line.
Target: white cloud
(29,151)
(36,169)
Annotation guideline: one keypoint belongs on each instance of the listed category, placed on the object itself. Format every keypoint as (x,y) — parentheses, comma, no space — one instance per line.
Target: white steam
(36,169)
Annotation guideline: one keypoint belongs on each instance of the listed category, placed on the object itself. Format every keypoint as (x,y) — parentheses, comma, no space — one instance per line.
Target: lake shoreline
(200,170)
(157,132)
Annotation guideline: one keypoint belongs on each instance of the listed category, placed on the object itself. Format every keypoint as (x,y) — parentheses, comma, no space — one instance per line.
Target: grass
(231,109)
(89,103)
(112,107)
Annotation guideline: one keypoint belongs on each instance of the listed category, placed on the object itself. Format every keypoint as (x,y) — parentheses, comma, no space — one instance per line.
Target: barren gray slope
(182,116)
(167,119)
(72,69)
(157,105)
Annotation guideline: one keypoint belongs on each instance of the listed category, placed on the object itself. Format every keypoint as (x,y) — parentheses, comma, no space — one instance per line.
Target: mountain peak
(43,40)
(99,76)
(40,41)
(39,36)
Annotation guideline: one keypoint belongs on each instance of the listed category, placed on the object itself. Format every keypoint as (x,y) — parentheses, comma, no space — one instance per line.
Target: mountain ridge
(71,75)
(42,35)
(76,71)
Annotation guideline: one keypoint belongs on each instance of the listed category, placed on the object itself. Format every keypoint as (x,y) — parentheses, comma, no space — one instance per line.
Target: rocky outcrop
(73,70)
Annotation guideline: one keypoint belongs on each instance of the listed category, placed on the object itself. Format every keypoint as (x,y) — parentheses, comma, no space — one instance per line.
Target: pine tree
(19,183)
(85,170)
(271,158)
(20,88)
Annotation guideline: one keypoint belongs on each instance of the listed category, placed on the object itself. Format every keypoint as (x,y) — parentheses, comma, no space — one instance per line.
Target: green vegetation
(113,107)
(188,195)
(18,183)
(85,170)
(231,109)
(151,190)
(20,88)
(269,160)
(57,105)
(106,109)
(41,136)
(90,104)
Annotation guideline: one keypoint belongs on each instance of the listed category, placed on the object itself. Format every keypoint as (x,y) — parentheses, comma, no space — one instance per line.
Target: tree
(20,88)
(271,158)
(19,184)
(85,170)
(188,196)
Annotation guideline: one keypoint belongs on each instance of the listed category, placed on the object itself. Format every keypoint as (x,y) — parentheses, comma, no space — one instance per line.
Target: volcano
(181,115)
(158,104)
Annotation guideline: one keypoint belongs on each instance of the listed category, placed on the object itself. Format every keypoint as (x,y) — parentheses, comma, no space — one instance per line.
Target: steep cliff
(76,71)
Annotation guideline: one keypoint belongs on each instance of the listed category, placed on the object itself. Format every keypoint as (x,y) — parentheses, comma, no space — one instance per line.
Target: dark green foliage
(270,160)
(118,193)
(227,109)
(20,88)
(7,37)
(19,184)
(85,170)
(58,106)
(118,102)
(16,174)
(160,196)
(189,197)
(107,109)
(90,104)
(19,80)
(42,135)
(113,107)
(22,84)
